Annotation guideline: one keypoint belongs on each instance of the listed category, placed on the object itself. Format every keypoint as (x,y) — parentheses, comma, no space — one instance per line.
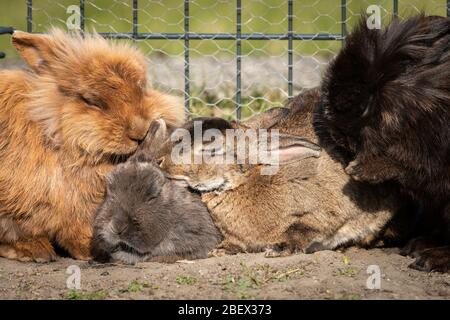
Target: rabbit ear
(35,49)
(207,123)
(267,119)
(156,136)
(294,148)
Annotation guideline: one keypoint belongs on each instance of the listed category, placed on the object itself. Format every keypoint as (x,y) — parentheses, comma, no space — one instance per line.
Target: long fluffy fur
(387,101)
(63,126)
(386,107)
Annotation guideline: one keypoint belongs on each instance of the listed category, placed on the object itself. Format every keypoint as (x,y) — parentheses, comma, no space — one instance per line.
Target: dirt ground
(323,275)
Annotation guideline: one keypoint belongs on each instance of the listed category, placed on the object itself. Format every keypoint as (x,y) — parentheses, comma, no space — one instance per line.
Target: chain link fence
(227,58)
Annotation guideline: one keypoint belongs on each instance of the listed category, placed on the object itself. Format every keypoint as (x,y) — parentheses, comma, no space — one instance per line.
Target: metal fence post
(396,8)
(82,15)
(344,19)
(29,15)
(238,58)
(186,58)
(135,18)
(187,35)
(290,49)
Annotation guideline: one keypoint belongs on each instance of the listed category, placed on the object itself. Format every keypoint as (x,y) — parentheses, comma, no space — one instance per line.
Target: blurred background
(213,63)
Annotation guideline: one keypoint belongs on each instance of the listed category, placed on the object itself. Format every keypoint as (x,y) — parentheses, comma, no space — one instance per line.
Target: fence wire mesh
(227,58)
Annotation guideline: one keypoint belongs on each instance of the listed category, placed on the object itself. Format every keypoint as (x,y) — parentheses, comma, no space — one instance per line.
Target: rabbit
(386,106)
(147,217)
(309,204)
(82,107)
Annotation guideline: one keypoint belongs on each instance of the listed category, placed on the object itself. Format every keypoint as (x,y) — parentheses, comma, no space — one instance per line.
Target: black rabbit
(386,106)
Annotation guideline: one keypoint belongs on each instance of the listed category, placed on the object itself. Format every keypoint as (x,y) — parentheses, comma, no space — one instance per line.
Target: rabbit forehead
(135,181)
(87,61)
(108,81)
(97,55)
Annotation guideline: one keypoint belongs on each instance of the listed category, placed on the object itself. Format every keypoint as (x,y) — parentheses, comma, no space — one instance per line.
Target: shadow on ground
(323,275)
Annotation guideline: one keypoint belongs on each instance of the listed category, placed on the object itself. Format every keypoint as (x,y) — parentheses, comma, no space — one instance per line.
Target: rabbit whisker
(122,246)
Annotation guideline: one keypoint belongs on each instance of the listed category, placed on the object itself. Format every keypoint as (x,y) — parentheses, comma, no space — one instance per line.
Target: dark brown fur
(386,106)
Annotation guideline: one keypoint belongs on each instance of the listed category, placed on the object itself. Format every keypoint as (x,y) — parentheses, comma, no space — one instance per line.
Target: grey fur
(146,216)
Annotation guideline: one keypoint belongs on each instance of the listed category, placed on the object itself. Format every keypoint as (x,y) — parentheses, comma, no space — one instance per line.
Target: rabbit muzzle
(213,185)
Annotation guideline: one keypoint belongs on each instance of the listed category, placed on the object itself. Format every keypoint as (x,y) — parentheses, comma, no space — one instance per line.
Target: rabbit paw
(217,253)
(358,172)
(228,246)
(416,245)
(373,171)
(77,240)
(79,249)
(80,254)
(274,253)
(434,259)
(37,249)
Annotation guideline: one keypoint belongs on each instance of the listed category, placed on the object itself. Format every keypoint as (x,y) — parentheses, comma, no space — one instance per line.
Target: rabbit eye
(89,102)
(160,161)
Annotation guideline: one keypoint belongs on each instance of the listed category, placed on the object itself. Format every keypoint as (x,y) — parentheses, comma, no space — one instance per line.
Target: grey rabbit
(147,217)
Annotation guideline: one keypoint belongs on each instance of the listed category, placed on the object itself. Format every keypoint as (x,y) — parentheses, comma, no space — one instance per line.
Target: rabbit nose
(138,129)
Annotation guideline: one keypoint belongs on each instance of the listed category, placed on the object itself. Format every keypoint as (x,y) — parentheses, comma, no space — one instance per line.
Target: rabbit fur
(82,107)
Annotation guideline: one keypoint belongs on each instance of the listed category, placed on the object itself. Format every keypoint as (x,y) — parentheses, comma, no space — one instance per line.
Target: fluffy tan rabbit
(309,204)
(84,106)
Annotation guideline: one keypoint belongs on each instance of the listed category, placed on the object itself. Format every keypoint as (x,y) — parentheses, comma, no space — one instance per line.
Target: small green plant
(255,277)
(136,286)
(186,280)
(346,260)
(77,295)
(347,272)
(349,297)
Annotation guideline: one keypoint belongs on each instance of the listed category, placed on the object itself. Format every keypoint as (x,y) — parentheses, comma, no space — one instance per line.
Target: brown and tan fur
(310,204)
(83,107)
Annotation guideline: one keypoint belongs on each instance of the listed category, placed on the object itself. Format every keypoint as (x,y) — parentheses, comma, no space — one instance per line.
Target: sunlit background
(212,73)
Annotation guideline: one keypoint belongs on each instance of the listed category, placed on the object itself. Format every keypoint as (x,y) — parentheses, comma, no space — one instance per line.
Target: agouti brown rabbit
(147,217)
(386,105)
(84,106)
(309,204)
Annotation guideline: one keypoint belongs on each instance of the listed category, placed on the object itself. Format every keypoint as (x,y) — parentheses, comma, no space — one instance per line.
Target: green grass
(186,280)
(204,104)
(348,297)
(136,286)
(78,295)
(346,272)
(258,16)
(241,284)
(268,16)
(346,260)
